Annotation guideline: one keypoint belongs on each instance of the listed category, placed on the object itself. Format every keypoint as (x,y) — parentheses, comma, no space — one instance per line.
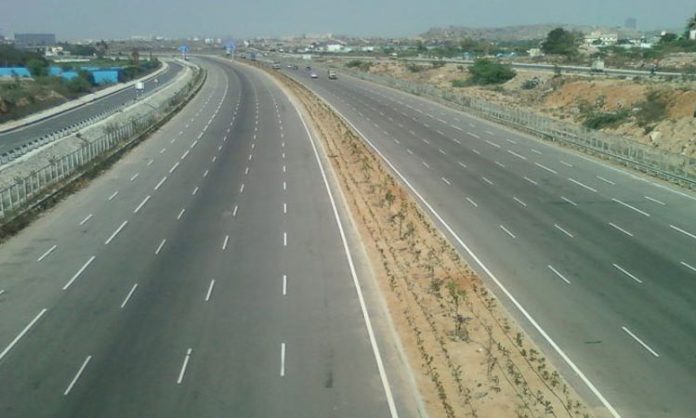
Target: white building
(606,39)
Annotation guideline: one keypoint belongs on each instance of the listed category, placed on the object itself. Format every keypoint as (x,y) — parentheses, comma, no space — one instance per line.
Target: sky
(95,19)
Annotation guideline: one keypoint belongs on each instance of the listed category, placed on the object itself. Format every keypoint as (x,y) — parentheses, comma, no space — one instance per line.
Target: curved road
(204,275)
(599,262)
(16,137)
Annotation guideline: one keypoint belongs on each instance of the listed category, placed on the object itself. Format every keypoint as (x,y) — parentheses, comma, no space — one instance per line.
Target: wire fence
(677,168)
(28,190)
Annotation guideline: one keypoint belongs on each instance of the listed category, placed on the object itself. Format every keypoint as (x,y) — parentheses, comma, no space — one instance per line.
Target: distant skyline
(108,19)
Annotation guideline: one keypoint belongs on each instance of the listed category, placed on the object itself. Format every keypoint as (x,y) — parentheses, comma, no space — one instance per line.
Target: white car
(314,75)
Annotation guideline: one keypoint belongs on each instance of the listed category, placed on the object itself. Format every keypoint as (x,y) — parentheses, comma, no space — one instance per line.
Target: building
(601,38)
(692,34)
(34,40)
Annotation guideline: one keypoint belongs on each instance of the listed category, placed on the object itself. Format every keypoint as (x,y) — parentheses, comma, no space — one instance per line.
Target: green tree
(561,42)
(102,47)
(37,67)
(668,37)
(485,72)
(690,24)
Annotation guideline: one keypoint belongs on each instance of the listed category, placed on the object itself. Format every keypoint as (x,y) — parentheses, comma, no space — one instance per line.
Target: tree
(668,37)
(102,47)
(488,72)
(135,57)
(560,42)
(690,24)
(37,67)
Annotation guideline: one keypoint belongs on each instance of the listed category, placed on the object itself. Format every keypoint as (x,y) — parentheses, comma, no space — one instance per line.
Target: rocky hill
(515,33)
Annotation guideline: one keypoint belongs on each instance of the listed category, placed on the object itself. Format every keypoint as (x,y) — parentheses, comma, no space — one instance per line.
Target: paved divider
(27,182)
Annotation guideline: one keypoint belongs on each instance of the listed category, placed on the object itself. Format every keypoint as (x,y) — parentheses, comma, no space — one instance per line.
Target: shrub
(459,83)
(599,120)
(360,65)
(438,64)
(530,84)
(652,110)
(415,68)
(485,72)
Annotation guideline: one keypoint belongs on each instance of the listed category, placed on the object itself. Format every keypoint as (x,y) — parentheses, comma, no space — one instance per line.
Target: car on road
(276,66)
(314,75)
(332,75)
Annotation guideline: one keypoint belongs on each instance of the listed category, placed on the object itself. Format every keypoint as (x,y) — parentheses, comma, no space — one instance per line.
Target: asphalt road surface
(204,275)
(17,137)
(598,264)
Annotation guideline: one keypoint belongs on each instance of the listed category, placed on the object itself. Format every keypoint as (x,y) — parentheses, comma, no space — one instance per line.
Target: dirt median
(470,358)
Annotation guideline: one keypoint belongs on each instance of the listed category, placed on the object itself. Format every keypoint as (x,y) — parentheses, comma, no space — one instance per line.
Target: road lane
(487,167)
(160,337)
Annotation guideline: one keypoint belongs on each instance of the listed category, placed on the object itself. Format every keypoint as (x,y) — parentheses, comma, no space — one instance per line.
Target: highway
(598,264)
(16,137)
(210,272)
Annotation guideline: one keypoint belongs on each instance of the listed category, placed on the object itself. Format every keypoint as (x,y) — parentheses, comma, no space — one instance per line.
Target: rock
(655,136)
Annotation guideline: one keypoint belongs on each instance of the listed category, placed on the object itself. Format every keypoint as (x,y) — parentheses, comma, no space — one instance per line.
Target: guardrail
(33,188)
(676,168)
(20,150)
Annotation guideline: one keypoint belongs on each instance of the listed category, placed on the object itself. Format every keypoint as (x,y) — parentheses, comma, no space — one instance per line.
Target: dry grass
(470,357)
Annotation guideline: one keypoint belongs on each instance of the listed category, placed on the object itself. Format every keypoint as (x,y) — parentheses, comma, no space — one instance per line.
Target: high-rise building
(34,40)
(631,23)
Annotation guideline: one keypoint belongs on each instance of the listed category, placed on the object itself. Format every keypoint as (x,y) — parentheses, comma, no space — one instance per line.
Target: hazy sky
(74,19)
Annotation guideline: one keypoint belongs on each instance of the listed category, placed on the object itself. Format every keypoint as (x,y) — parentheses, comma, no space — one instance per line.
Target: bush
(459,83)
(360,65)
(438,64)
(652,110)
(37,67)
(80,84)
(415,68)
(485,72)
(530,84)
(599,120)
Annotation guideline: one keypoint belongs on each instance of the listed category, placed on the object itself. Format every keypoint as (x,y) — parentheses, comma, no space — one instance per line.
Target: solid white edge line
(46,254)
(24,331)
(77,376)
(647,347)
(358,289)
(125,301)
(79,272)
(490,274)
